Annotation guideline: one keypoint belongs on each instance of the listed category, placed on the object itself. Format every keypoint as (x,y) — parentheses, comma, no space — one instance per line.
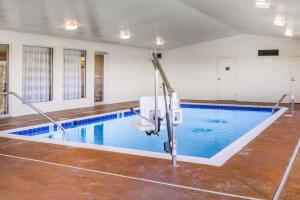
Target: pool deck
(31,170)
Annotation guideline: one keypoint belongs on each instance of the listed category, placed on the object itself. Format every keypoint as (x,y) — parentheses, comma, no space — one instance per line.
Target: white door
(226,78)
(295,78)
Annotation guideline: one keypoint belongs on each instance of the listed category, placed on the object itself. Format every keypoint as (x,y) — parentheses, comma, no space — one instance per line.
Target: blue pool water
(204,132)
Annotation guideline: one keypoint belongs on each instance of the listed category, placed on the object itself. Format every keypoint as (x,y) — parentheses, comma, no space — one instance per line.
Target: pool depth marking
(134,178)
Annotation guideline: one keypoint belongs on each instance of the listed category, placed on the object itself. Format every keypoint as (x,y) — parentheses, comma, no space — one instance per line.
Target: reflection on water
(83,134)
(98,134)
(78,135)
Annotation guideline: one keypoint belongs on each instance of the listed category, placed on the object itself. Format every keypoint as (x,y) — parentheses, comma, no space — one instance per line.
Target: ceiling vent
(268,52)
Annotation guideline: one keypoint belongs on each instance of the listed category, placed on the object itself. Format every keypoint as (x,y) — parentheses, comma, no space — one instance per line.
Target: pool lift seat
(150,131)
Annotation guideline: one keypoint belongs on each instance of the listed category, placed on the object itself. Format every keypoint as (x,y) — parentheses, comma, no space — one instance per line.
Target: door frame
(218,80)
(292,76)
(105,72)
(7,80)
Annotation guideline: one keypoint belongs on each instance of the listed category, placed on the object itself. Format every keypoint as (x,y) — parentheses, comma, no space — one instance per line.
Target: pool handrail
(34,108)
(292,102)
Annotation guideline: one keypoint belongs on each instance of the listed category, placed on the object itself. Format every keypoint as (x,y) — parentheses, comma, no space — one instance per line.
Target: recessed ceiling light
(263,4)
(124,35)
(289,33)
(70,26)
(279,21)
(160,41)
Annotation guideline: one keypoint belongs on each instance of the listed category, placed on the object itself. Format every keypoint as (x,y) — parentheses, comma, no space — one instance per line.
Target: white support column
(174,146)
(156,100)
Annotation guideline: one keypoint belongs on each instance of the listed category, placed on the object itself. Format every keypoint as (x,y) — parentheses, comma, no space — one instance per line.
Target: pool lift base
(173,113)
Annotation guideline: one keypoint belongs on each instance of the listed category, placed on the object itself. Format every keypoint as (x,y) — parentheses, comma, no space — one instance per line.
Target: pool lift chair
(173,114)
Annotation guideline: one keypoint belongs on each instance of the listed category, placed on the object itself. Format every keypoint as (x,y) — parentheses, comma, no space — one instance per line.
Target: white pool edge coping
(221,157)
(217,160)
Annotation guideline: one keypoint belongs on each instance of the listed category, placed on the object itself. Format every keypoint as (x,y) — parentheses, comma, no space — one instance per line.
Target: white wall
(193,69)
(128,72)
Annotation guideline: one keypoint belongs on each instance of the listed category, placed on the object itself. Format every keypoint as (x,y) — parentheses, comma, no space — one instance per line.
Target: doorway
(99,78)
(4,59)
(227,79)
(295,78)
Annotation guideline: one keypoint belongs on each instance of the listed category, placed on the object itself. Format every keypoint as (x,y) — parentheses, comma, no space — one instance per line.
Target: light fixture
(71,25)
(263,4)
(279,21)
(289,33)
(160,41)
(124,35)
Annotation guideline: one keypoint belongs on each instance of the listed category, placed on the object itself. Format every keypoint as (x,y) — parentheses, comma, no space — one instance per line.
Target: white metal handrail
(34,108)
(292,102)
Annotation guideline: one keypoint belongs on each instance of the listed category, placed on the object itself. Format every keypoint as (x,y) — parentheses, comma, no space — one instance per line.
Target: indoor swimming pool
(206,130)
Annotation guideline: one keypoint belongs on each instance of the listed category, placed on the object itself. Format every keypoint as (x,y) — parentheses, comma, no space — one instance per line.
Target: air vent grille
(268,52)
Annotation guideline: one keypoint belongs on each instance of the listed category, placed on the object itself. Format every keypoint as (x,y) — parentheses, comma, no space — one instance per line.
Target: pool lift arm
(173,113)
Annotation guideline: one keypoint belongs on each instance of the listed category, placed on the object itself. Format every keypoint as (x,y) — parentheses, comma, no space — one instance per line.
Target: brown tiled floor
(29,120)
(292,188)
(254,172)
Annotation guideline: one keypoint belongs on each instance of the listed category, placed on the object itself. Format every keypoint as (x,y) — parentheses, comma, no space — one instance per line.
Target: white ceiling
(179,22)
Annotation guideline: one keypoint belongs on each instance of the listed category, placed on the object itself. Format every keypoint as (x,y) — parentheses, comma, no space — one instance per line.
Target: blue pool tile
(33,131)
(222,107)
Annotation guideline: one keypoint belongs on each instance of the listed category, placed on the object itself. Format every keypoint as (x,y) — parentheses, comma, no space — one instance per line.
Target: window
(74,74)
(37,73)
